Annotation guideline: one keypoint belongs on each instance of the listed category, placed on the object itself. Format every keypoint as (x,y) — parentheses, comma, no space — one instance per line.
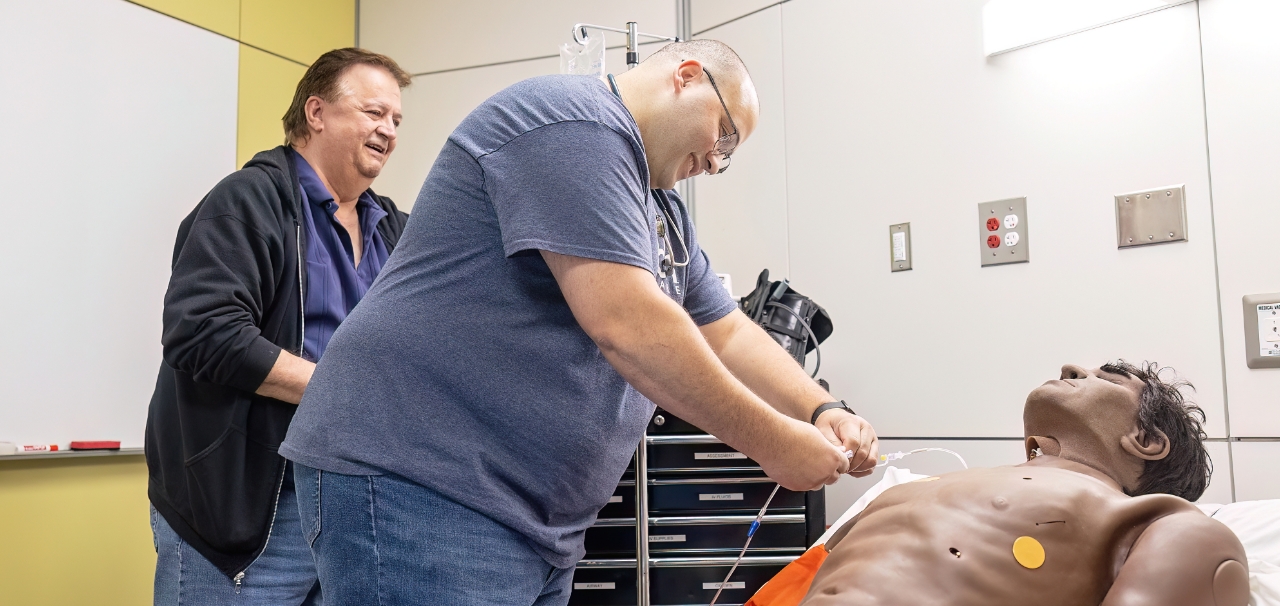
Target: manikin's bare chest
(1007,535)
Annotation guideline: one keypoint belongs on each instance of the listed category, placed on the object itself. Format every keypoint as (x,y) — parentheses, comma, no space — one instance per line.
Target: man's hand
(288,378)
(805,459)
(854,433)
(766,369)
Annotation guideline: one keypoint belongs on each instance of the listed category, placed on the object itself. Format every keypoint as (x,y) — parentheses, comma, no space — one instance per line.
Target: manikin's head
(345,113)
(1124,421)
(681,118)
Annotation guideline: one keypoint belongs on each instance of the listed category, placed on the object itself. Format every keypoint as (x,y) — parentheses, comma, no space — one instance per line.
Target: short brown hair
(321,80)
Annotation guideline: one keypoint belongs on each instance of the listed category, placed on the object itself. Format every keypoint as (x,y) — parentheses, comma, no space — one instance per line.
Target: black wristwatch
(829,406)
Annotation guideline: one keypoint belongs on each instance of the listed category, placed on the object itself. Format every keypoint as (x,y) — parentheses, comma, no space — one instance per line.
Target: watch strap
(829,406)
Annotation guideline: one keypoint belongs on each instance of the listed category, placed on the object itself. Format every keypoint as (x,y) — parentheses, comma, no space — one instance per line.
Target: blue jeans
(284,575)
(383,540)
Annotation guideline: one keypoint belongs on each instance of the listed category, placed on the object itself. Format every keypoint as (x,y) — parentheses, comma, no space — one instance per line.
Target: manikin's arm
(1185,559)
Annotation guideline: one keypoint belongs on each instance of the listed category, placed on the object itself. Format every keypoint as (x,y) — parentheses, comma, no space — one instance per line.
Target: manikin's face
(359,127)
(686,134)
(1082,402)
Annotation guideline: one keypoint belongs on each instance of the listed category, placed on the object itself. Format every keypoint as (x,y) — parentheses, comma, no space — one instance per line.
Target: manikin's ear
(1146,446)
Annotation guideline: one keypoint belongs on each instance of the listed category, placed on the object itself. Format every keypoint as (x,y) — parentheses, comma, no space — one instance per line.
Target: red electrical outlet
(993,241)
(993,224)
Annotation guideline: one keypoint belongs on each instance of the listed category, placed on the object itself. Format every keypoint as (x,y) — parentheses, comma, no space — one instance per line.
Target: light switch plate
(1262,330)
(900,247)
(1157,216)
(1002,232)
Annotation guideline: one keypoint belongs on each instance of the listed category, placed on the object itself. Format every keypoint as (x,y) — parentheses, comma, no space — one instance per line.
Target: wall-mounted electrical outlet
(1002,232)
(900,247)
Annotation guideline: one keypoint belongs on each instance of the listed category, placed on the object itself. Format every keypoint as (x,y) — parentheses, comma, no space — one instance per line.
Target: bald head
(676,98)
(725,66)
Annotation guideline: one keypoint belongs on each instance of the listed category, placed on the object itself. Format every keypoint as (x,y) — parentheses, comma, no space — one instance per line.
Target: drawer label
(715,456)
(617,498)
(733,585)
(666,538)
(577,586)
(722,496)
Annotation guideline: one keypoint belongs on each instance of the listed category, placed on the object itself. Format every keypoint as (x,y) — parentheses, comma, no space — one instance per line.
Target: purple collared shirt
(334,283)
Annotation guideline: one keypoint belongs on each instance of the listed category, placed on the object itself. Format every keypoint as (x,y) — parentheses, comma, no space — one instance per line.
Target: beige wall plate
(1002,232)
(1262,330)
(900,247)
(1157,216)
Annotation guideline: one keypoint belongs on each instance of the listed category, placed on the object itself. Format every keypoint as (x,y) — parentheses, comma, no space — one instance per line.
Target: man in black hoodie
(264,270)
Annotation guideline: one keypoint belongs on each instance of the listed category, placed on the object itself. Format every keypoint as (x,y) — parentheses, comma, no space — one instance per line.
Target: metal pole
(642,519)
(633,48)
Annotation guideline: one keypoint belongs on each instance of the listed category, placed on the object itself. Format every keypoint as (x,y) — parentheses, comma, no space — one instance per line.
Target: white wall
(742,214)
(1242,88)
(120,119)
(916,125)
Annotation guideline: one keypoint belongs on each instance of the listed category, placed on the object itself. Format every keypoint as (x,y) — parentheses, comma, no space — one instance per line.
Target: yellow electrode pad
(1028,552)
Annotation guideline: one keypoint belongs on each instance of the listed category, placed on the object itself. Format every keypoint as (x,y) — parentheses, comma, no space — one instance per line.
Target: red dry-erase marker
(95,445)
(37,448)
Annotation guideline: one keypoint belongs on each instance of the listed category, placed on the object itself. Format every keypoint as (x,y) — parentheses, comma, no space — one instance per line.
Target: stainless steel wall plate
(1158,216)
(1262,330)
(1002,232)
(900,247)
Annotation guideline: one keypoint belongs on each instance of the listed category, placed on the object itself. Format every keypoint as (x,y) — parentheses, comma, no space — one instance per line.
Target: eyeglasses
(726,143)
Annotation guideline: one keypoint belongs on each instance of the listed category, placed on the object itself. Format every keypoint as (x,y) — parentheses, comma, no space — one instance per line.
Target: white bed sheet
(1256,523)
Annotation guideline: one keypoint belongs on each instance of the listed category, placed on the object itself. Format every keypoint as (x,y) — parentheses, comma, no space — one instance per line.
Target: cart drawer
(697,457)
(697,585)
(665,423)
(623,502)
(604,586)
(706,535)
(720,494)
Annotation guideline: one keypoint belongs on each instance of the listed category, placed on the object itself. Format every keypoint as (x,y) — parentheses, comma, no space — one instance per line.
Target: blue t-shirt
(463,368)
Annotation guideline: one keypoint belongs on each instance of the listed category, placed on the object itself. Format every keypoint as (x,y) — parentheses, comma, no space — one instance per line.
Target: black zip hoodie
(234,302)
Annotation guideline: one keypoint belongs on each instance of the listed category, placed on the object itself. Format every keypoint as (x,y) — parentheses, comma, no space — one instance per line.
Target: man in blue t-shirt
(476,410)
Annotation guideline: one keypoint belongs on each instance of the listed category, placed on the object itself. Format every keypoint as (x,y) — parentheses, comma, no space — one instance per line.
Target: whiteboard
(116,121)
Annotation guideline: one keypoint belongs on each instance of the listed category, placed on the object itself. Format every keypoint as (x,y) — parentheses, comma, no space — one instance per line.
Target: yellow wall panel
(222,16)
(75,531)
(298,29)
(267,83)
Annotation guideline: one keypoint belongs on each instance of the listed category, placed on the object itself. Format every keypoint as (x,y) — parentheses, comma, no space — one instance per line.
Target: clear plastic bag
(583,60)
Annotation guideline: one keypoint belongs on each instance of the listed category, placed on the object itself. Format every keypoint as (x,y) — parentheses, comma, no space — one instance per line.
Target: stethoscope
(665,224)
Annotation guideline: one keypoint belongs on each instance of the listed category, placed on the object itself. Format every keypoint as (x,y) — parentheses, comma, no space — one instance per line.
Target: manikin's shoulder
(1190,529)
(1185,557)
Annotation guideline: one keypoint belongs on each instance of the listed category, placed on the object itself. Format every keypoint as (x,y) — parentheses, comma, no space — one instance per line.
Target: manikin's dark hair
(1185,471)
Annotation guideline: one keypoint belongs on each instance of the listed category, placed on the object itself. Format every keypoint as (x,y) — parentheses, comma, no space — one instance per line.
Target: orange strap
(792,583)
